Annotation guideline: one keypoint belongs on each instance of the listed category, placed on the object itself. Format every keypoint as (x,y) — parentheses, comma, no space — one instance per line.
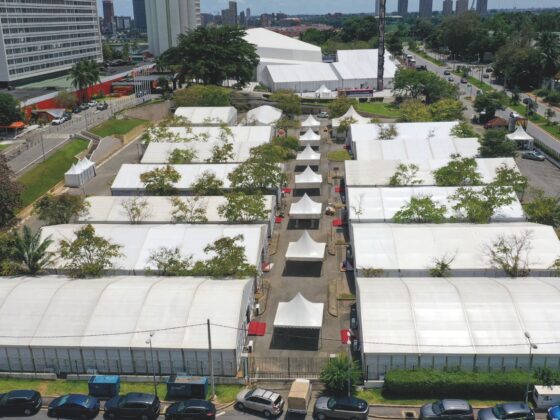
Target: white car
(92,103)
(58,121)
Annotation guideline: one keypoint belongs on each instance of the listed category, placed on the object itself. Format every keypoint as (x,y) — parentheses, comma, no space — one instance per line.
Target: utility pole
(381,50)
(210,362)
(149,341)
(532,346)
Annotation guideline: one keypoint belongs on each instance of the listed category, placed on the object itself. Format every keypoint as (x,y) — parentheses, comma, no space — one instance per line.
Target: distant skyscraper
(402,9)
(248,15)
(229,15)
(461,7)
(426,8)
(447,7)
(242,18)
(167,19)
(108,13)
(482,7)
(233,11)
(139,8)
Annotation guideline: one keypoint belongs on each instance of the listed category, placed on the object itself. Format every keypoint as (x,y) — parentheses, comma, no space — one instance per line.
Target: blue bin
(183,386)
(104,385)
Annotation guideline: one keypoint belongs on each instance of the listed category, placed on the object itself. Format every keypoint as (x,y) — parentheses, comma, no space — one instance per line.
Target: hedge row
(427,383)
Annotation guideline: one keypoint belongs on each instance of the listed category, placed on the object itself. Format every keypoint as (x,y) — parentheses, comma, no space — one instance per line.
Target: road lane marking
(221,413)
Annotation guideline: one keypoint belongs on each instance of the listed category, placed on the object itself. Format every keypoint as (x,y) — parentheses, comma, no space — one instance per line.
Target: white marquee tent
(310,137)
(305,208)
(236,134)
(308,179)
(310,122)
(140,241)
(410,249)
(376,173)
(79,173)
(299,313)
(308,156)
(306,249)
(325,93)
(54,323)
(304,77)
(208,115)
(521,136)
(457,323)
(263,115)
(379,205)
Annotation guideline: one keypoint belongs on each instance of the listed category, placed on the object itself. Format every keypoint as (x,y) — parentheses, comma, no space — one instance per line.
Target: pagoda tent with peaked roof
(308,156)
(305,208)
(311,122)
(308,179)
(310,138)
(306,249)
(520,136)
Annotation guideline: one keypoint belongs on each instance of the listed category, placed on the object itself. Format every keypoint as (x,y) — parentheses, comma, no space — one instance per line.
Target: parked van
(299,396)
(546,396)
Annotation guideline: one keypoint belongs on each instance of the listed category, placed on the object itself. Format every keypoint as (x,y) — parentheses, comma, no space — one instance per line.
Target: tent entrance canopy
(306,208)
(521,137)
(308,179)
(311,122)
(299,313)
(79,173)
(308,156)
(310,138)
(306,249)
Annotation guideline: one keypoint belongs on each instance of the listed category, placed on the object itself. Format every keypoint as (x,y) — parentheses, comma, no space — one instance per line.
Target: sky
(124,7)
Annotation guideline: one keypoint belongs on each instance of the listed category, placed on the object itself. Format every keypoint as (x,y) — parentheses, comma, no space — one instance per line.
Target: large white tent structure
(208,115)
(521,137)
(308,179)
(457,323)
(358,68)
(379,205)
(140,241)
(310,138)
(305,208)
(305,77)
(161,210)
(79,173)
(411,249)
(236,134)
(376,173)
(63,325)
(263,115)
(308,156)
(306,249)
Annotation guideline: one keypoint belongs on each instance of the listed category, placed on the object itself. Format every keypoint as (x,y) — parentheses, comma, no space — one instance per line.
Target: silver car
(341,408)
(267,402)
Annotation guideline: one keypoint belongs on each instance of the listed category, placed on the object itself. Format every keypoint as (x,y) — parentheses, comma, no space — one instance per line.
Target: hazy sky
(124,7)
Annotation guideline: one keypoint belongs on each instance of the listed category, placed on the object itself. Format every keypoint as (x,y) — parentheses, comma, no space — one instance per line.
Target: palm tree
(78,74)
(548,44)
(92,72)
(31,251)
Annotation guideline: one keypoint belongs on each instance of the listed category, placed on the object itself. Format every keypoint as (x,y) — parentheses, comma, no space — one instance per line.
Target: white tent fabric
(379,205)
(376,173)
(208,115)
(351,113)
(239,134)
(140,241)
(306,249)
(323,89)
(263,115)
(358,68)
(310,137)
(519,135)
(310,122)
(79,173)
(415,130)
(307,77)
(299,313)
(410,249)
(305,208)
(308,179)
(308,156)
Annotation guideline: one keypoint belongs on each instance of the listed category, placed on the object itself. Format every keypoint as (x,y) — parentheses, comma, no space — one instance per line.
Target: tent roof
(375,204)
(299,313)
(306,249)
(322,89)
(308,154)
(208,114)
(310,135)
(414,246)
(483,316)
(351,113)
(305,206)
(414,130)
(239,134)
(264,114)
(34,308)
(310,121)
(519,135)
(362,64)
(302,73)
(265,38)
(308,176)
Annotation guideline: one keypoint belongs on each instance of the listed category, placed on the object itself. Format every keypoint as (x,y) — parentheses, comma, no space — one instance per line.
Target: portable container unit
(546,396)
(183,386)
(299,396)
(104,385)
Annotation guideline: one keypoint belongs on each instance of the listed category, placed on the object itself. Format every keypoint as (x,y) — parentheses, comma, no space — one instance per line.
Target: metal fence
(286,367)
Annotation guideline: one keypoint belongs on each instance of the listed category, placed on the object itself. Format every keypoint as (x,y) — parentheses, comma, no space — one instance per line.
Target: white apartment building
(166,19)
(41,37)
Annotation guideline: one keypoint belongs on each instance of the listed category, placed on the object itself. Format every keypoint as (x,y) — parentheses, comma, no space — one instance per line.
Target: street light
(532,346)
(149,341)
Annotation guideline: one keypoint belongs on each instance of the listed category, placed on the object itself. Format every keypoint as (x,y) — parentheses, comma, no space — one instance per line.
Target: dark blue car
(74,406)
(553,413)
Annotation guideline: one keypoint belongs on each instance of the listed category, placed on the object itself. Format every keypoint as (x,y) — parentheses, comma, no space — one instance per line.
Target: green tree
(200,95)
(82,75)
(8,264)
(495,144)
(549,114)
(181,156)
(256,175)
(479,205)
(272,153)
(394,44)
(463,130)
(161,181)
(228,259)
(414,111)
(31,251)
(405,175)
(9,109)
(548,45)
(543,209)
(339,106)
(459,171)
(511,177)
(518,65)
(460,34)
(446,110)
(214,55)
(107,51)
(136,209)
(88,255)
(489,103)
(208,184)
(170,262)
(10,193)
(338,373)
(242,208)
(223,152)
(189,209)
(420,210)
(423,85)
(66,99)
(287,101)
(510,253)
(442,266)
(59,209)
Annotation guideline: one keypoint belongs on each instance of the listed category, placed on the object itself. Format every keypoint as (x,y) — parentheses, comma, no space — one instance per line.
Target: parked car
(20,403)
(356,347)
(323,114)
(527,101)
(450,79)
(57,121)
(533,155)
(77,110)
(299,396)
(421,68)
(353,317)
(341,408)
(84,106)
(74,406)
(486,76)
(447,409)
(67,115)
(133,405)
(553,413)
(191,409)
(511,410)
(92,103)
(267,402)
(446,72)
(464,80)
(489,70)
(102,106)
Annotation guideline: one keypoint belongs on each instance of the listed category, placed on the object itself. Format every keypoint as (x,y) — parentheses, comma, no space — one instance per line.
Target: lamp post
(149,341)
(532,346)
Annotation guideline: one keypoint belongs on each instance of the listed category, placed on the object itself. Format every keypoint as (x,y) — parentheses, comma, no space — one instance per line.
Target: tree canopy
(423,85)
(161,181)
(201,95)
(460,171)
(10,193)
(495,144)
(59,209)
(9,109)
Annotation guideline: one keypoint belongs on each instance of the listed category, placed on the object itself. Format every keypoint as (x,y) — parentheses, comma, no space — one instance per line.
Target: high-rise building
(376,11)
(108,14)
(447,7)
(229,15)
(233,11)
(248,14)
(206,19)
(166,19)
(426,8)
(402,8)
(482,7)
(242,18)
(139,10)
(39,38)
(461,7)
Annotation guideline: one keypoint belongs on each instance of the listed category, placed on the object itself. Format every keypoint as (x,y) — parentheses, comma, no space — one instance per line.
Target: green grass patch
(116,127)
(4,146)
(485,87)
(378,108)
(227,393)
(428,57)
(377,396)
(339,156)
(47,174)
